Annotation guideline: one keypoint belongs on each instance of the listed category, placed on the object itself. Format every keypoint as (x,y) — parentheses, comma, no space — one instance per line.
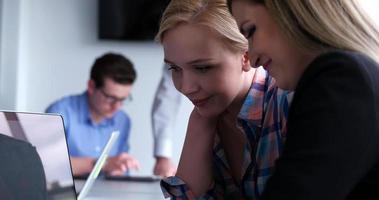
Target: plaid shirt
(262,118)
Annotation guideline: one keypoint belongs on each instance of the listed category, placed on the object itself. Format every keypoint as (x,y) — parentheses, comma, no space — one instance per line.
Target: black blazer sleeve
(21,172)
(333,135)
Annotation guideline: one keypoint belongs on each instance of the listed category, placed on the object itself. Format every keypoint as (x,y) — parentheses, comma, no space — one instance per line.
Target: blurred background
(48,46)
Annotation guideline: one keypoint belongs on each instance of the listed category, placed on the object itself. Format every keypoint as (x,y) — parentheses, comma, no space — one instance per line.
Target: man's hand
(81,165)
(164,167)
(119,164)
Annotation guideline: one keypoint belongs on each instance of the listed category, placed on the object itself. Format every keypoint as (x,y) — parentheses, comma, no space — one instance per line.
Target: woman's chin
(207,112)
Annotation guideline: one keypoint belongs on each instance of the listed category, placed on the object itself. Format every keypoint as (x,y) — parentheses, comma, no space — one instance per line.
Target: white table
(125,190)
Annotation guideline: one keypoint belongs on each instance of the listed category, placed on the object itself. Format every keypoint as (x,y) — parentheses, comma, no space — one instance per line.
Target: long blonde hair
(213,14)
(325,24)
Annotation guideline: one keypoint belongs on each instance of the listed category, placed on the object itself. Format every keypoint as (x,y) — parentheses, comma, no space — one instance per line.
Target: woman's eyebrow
(167,61)
(200,60)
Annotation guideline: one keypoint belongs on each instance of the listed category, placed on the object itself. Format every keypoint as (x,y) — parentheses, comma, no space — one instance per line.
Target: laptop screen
(46,133)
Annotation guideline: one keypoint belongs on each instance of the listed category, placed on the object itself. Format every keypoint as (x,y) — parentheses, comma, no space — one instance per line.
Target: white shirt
(164,112)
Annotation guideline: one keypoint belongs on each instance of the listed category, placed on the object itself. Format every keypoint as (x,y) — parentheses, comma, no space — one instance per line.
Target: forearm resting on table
(195,166)
(81,165)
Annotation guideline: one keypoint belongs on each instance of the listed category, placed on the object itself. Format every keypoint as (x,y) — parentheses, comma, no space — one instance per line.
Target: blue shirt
(84,137)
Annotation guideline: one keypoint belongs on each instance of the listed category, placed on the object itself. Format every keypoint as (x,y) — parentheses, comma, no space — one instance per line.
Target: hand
(199,124)
(164,167)
(81,165)
(118,165)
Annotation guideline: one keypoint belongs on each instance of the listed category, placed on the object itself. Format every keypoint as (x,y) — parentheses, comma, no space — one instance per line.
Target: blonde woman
(237,128)
(327,51)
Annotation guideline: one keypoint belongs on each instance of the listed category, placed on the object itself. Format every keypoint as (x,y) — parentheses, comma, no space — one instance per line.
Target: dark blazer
(332,146)
(21,172)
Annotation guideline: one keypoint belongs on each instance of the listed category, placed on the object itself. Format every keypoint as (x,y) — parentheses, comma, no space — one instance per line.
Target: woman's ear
(246,62)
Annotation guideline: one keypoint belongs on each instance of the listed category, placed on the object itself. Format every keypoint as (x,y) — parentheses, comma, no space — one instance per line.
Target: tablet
(149,178)
(98,165)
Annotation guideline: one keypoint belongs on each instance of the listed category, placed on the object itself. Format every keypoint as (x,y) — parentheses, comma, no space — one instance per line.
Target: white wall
(49,47)
(10,14)
(372,7)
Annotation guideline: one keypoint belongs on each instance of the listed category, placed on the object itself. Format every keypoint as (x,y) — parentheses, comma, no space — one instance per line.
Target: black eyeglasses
(112,99)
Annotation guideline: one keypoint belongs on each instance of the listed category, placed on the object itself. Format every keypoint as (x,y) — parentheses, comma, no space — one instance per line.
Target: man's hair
(113,66)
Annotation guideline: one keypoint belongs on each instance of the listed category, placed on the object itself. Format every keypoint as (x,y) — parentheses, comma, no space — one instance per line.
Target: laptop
(46,132)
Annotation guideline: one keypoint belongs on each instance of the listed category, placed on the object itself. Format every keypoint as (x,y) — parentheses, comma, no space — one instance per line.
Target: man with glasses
(92,116)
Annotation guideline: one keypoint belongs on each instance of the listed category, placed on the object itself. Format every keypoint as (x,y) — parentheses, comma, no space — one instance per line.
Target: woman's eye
(202,69)
(250,31)
(173,68)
